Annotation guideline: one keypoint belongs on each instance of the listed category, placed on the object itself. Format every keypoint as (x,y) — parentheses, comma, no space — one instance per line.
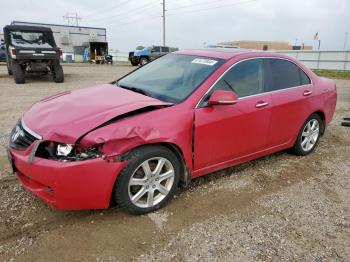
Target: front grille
(20,138)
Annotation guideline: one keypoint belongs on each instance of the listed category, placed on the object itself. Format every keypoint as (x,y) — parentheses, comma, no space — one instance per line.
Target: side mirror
(223,97)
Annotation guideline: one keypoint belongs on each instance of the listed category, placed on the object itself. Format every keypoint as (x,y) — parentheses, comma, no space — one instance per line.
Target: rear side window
(305,80)
(165,49)
(245,78)
(284,74)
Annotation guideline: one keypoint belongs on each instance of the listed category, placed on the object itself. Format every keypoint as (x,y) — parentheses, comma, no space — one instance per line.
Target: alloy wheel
(151,182)
(310,135)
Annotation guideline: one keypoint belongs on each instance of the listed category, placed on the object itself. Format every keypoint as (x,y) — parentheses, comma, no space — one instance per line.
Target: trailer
(98,53)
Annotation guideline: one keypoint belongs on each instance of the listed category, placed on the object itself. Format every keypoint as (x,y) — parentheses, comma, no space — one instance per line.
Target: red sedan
(184,115)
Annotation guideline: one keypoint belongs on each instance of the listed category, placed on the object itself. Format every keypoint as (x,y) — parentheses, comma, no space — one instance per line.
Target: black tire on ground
(121,194)
(57,73)
(298,148)
(143,60)
(9,69)
(134,63)
(18,73)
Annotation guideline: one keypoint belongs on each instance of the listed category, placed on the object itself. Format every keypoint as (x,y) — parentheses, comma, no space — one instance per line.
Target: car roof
(27,28)
(228,53)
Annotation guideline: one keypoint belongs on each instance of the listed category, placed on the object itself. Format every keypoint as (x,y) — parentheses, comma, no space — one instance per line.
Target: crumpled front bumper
(67,185)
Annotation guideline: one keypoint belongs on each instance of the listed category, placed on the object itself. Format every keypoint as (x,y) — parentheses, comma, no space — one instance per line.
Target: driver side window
(245,79)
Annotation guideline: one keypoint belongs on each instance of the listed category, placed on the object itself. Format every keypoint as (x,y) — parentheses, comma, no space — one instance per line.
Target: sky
(195,23)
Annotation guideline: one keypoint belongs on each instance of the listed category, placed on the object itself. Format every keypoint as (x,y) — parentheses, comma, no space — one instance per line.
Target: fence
(119,56)
(332,60)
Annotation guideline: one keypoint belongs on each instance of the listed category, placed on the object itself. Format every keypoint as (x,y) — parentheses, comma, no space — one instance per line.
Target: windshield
(171,78)
(30,39)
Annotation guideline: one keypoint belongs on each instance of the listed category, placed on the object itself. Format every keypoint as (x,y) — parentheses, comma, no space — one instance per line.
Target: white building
(68,37)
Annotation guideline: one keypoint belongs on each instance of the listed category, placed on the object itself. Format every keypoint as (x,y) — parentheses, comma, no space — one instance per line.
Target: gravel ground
(277,208)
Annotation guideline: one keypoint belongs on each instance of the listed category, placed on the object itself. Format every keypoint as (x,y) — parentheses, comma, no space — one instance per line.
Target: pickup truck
(142,57)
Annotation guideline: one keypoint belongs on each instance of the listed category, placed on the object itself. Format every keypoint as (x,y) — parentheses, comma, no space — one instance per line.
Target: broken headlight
(64,149)
(67,152)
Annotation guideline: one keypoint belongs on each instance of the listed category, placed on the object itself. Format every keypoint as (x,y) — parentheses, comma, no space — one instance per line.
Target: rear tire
(18,73)
(309,136)
(57,73)
(143,188)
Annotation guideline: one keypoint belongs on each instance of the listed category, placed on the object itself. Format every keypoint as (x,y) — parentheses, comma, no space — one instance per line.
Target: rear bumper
(67,185)
(37,57)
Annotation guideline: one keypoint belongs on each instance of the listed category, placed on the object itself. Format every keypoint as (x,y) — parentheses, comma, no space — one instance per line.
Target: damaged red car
(189,113)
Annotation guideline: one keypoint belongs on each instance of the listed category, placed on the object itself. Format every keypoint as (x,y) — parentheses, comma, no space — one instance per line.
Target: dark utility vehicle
(2,52)
(32,49)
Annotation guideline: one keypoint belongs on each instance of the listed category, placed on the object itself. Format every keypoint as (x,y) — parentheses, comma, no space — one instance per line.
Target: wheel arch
(185,176)
(322,115)
(144,56)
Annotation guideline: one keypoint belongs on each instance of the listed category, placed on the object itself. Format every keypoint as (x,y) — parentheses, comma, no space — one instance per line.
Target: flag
(316,36)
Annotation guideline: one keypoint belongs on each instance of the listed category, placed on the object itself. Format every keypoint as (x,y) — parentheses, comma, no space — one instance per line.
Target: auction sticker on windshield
(204,61)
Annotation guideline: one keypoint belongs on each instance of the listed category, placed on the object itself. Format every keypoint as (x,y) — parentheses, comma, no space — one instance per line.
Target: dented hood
(67,116)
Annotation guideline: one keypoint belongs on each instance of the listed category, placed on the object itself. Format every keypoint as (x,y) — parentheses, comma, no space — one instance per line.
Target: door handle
(261,104)
(307,93)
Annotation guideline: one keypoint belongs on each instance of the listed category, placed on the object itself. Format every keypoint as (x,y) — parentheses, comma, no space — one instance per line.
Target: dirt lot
(276,208)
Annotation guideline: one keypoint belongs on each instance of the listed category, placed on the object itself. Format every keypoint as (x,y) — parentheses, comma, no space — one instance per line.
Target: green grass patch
(333,73)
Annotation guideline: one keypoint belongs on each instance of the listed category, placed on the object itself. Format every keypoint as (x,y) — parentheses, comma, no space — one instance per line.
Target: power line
(214,7)
(137,20)
(72,17)
(196,4)
(108,8)
(126,14)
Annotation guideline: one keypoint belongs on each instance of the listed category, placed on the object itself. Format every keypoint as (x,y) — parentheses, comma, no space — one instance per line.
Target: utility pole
(345,39)
(163,22)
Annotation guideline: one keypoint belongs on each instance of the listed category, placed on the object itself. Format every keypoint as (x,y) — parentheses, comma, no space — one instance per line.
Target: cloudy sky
(192,23)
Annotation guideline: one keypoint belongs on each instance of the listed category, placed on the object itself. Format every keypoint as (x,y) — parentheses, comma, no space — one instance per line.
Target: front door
(226,132)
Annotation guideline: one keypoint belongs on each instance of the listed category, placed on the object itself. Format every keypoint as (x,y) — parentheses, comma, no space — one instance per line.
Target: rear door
(226,132)
(291,94)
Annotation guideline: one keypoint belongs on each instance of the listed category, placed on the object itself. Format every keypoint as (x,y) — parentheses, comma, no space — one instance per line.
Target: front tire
(149,179)
(18,73)
(133,63)
(309,136)
(57,73)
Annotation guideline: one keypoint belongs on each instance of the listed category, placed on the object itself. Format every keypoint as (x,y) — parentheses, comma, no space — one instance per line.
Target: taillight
(60,52)
(13,51)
